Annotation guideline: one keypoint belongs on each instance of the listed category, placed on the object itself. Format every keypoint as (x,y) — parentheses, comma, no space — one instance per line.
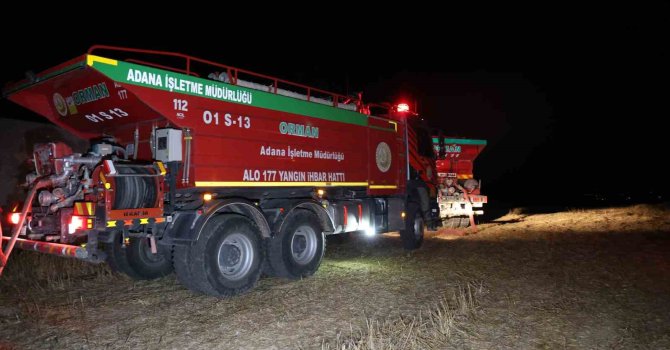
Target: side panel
(237,145)
(459,156)
(244,137)
(241,137)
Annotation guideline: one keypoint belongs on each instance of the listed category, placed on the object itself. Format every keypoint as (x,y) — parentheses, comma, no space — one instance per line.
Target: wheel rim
(235,256)
(418,228)
(303,245)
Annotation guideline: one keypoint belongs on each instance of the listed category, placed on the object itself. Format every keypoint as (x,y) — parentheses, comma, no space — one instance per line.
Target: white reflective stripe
(110,166)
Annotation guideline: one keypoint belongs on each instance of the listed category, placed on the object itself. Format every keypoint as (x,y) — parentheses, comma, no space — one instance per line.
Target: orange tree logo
(59,103)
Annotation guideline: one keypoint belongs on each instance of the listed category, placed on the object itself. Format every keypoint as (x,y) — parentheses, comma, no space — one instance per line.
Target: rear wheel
(454,222)
(412,235)
(117,256)
(145,263)
(225,260)
(297,250)
(465,221)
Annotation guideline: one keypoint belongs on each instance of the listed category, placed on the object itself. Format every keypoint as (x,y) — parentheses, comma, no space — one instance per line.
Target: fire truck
(212,171)
(459,194)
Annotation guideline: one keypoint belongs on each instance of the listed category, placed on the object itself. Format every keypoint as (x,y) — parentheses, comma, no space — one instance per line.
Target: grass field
(574,279)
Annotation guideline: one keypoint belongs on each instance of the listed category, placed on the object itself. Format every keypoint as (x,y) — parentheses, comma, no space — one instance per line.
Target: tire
(297,250)
(146,264)
(226,260)
(465,222)
(432,226)
(180,262)
(117,256)
(452,223)
(412,235)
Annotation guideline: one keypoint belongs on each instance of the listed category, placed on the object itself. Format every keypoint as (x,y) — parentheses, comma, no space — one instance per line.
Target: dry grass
(577,279)
(49,273)
(517,211)
(430,329)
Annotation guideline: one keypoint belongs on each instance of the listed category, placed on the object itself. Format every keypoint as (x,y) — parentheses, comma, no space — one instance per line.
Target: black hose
(132,192)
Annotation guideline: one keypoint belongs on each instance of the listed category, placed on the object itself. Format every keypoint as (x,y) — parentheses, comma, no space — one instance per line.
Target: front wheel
(297,250)
(412,235)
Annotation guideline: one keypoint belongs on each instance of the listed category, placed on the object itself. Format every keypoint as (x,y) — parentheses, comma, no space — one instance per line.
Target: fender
(417,191)
(187,228)
(326,221)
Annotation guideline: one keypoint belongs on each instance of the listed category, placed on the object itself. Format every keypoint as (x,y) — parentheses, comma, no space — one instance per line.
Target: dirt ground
(574,279)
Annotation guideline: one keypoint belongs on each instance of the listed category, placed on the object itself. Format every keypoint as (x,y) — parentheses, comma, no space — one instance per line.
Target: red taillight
(14,218)
(76,222)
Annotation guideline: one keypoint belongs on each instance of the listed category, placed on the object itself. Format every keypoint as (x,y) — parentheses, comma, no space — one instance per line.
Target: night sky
(569,108)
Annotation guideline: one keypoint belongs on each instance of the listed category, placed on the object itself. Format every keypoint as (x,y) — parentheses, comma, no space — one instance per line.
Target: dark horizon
(565,114)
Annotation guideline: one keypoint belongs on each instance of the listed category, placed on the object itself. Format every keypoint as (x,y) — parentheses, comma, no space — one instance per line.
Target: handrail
(231,71)
(132,60)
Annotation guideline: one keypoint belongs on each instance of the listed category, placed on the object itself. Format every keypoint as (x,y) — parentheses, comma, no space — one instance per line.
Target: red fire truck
(213,171)
(459,194)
